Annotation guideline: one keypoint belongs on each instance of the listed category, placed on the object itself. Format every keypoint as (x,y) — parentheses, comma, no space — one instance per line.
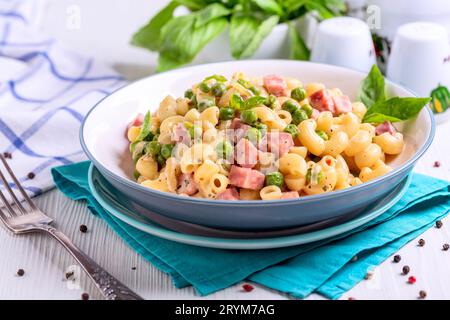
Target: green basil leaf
(193,4)
(293,5)
(395,109)
(254,101)
(298,48)
(247,33)
(372,88)
(146,127)
(236,101)
(182,40)
(379,118)
(210,13)
(269,6)
(217,77)
(323,11)
(149,36)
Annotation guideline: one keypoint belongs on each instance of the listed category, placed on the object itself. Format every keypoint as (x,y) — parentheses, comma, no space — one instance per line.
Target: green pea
(188,94)
(253,134)
(204,104)
(161,161)
(218,89)
(308,109)
(149,137)
(156,137)
(224,149)
(298,94)
(166,151)
(204,87)
(292,129)
(274,179)
(153,148)
(226,113)
(290,106)
(322,134)
(271,101)
(262,127)
(299,116)
(249,116)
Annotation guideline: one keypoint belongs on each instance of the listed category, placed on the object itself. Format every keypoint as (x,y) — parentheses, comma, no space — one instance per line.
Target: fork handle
(110,287)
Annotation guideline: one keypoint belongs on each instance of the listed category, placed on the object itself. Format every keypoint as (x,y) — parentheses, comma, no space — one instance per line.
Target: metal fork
(25,217)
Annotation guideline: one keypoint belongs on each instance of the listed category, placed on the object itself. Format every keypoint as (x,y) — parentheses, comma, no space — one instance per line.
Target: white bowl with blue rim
(103,139)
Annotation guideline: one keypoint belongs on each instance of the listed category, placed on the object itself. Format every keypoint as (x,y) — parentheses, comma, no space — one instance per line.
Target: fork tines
(15,207)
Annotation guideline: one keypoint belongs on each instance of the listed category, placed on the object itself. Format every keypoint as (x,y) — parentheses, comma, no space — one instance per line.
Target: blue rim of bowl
(250,244)
(134,185)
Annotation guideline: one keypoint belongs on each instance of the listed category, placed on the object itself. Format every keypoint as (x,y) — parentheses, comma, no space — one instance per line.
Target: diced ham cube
(290,195)
(181,135)
(228,194)
(342,104)
(186,184)
(246,154)
(278,143)
(135,123)
(385,127)
(275,85)
(246,178)
(322,101)
(238,130)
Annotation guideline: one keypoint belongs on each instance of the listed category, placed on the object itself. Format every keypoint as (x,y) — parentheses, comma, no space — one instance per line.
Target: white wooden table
(45,262)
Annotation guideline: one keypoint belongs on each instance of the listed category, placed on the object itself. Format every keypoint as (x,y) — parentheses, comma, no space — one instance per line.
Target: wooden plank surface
(45,262)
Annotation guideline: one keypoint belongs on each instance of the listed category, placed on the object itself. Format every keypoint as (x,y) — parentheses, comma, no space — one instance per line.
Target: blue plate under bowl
(120,208)
(103,140)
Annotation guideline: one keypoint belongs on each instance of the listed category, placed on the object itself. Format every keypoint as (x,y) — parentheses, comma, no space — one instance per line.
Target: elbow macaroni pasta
(325,152)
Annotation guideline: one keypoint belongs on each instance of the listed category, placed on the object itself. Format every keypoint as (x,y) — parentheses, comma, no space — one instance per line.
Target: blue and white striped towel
(45,91)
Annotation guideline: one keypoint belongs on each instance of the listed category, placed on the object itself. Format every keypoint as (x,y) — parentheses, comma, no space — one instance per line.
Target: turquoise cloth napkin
(324,267)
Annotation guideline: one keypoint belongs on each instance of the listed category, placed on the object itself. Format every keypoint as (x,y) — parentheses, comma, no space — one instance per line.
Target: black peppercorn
(422,294)
(405,270)
(31,175)
(397,258)
(445,247)
(439,224)
(84,296)
(421,242)
(20,272)
(83,228)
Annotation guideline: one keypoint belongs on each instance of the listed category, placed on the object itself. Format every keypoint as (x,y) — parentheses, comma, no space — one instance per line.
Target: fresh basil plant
(179,39)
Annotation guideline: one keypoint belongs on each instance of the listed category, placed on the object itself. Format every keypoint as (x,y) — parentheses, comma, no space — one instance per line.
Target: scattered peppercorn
(20,272)
(351,298)
(133,268)
(247,287)
(436,164)
(445,247)
(69,275)
(7,155)
(422,294)
(354,258)
(397,258)
(439,224)
(85,296)
(421,242)
(83,228)
(31,175)
(412,280)
(368,275)
(405,270)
